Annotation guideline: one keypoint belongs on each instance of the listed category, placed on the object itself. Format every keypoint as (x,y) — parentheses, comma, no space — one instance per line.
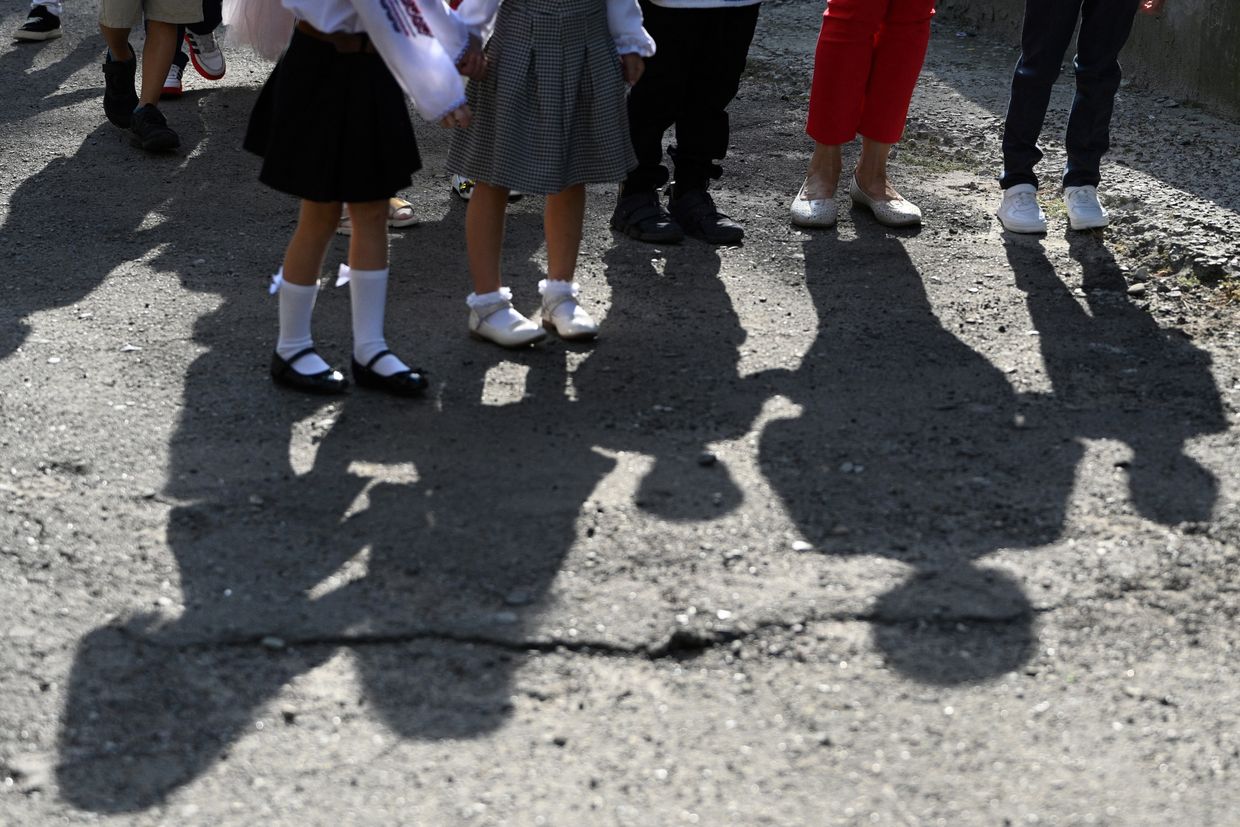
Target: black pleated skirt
(332,126)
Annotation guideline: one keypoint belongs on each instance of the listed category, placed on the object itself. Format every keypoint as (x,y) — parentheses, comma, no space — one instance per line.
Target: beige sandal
(400,214)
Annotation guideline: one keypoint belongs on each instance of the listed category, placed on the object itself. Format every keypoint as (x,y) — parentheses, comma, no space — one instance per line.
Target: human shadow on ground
(435,527)
(667,385)
(17,60)
(911,446)
(1117,375)
(133,200)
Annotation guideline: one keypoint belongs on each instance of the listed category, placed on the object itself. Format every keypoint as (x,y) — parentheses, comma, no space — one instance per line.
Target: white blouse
(419,40)
(624,18)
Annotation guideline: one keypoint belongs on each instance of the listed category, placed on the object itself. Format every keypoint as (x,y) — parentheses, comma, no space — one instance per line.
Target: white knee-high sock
(368,293)
(296,310)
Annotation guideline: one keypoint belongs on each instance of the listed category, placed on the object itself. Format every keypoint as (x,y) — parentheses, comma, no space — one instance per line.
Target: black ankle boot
(641,215)
(695,211)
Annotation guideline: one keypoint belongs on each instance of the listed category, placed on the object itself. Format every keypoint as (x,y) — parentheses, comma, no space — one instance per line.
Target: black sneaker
(119,97)
(695,211)
(150,130)
(641,215)
(40,25)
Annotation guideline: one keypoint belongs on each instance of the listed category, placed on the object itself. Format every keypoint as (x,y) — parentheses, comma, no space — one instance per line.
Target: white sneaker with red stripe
(172,83)
(206,55)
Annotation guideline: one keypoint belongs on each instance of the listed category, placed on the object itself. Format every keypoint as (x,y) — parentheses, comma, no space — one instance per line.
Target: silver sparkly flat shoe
(898,212)
(817,212)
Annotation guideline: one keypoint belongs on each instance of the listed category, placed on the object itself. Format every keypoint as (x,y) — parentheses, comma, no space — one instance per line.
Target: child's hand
(1152,6)
(633,67)
(460,118)
(473,63)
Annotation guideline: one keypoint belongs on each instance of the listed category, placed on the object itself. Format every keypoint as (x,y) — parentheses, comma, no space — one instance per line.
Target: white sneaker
(1019,212)
(172,84)
(206,55)
(1085,212)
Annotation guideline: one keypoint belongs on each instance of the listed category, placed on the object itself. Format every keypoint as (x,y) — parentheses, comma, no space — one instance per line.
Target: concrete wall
(1191,52)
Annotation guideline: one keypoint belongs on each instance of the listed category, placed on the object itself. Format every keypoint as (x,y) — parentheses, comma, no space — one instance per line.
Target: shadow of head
(1170,487)
(955,627)
(144,717)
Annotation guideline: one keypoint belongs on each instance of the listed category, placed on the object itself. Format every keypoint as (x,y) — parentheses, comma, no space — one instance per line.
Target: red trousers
(869,55)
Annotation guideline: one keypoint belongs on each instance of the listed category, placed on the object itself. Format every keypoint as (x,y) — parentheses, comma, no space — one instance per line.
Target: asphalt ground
(843,527)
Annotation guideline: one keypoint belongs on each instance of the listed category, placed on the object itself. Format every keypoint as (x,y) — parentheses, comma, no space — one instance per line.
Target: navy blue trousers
(1049,24)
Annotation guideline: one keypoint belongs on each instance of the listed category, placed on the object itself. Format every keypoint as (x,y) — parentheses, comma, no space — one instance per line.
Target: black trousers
(689,83)
(1105,26)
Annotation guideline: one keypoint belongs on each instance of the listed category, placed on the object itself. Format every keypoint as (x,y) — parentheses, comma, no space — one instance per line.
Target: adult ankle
(821,183)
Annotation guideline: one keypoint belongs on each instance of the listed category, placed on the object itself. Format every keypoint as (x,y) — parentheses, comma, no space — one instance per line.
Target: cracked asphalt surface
(849,527)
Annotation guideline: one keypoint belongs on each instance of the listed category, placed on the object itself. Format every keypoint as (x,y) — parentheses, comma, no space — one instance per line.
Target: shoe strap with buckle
(552,303)
(486,311)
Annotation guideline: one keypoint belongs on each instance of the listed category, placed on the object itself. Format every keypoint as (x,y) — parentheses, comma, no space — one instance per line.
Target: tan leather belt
(345,43)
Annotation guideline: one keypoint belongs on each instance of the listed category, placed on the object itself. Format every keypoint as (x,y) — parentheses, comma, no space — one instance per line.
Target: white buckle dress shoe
(897,212)
(496,321)
(562,313)
(1085,212)
(814,212)
(1019,211)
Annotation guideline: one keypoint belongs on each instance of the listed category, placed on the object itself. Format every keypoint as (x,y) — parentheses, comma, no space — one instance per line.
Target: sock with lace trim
(368,294)
(296,310)
(496,306)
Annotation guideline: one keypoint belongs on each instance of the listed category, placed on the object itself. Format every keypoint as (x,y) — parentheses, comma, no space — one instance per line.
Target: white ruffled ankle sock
(551,289)
(485,303)
(368,295)
(296,310)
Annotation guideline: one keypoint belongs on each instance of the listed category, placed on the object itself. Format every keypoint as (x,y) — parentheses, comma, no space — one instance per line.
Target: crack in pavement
(679,644)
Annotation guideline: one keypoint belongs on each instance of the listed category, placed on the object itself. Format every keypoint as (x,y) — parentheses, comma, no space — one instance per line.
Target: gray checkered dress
(551,112)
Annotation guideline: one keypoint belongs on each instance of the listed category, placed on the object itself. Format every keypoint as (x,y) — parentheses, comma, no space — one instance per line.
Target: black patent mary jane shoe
(403,383)
(329,382)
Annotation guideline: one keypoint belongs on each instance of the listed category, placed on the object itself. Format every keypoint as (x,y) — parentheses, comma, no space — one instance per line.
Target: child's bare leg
(161,40)
(368,246)
(492,315)
(316,226)
(297,365)
(484,235)
(374,366)
(118,43)
(562,220)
